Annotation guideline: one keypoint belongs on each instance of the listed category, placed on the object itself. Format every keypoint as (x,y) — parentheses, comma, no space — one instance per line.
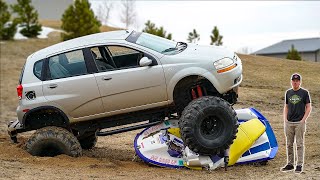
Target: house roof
(302,45)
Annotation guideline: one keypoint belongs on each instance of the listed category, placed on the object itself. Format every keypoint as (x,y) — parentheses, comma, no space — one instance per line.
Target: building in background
(48,9)
(309,49)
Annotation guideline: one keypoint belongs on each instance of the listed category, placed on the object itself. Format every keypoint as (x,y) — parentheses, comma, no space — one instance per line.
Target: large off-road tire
(52,141)
(208,125)
(88,141)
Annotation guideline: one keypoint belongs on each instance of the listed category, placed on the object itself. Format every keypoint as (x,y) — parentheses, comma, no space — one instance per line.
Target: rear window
(21,75)
(67,65)
(37,69)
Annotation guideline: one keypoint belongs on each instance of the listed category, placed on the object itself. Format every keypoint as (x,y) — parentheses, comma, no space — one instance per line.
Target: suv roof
(79,42)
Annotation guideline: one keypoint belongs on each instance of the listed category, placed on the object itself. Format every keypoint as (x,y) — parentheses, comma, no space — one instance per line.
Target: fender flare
(65,117)
(193,71)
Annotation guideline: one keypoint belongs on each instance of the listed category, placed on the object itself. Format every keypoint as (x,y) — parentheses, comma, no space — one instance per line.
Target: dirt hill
(265,81)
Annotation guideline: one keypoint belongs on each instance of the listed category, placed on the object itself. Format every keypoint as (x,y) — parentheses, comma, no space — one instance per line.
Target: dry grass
(13,57)
(51,23)
(272,75)
(263,87)
(108,28)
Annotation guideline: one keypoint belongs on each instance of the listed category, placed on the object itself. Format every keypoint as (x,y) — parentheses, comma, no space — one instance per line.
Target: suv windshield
(156,43)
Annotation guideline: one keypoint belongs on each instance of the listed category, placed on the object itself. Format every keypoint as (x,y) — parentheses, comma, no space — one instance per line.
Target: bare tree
(245,50)
(104,10)
(128,13)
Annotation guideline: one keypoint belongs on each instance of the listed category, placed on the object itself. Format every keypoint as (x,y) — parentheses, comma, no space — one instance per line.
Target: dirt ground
(263,87)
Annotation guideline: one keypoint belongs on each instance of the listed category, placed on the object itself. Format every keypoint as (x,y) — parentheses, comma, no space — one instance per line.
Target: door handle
(51,86)
(106,78)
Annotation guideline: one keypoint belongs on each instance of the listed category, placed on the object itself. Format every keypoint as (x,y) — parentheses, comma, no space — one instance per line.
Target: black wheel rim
(211,127)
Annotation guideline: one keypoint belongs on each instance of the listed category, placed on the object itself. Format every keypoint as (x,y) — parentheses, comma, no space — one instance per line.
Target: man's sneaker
(288,167)
(298,169)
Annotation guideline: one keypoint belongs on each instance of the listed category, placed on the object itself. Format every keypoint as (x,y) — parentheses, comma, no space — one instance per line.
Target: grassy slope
(271,77)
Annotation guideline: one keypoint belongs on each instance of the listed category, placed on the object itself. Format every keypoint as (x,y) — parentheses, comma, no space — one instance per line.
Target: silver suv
(80,86)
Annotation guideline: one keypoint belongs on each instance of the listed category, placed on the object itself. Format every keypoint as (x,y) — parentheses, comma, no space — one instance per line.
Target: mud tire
(52,141)
(88,141)
(208,125)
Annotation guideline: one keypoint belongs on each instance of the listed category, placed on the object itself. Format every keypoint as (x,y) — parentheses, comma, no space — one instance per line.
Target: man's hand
(307,113)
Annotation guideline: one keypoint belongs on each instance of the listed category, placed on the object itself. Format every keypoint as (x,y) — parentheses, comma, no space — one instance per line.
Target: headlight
(225,64)
(222,63)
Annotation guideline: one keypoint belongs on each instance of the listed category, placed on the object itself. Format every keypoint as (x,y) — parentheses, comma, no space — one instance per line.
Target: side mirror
(145,62)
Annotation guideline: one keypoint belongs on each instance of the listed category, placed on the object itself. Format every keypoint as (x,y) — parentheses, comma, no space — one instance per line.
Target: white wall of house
(309,56)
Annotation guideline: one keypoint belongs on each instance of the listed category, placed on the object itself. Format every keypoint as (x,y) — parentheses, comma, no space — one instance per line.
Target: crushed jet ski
(161,145)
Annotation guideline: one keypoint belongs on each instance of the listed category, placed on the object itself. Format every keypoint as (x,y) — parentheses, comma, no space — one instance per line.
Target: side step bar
(130,128)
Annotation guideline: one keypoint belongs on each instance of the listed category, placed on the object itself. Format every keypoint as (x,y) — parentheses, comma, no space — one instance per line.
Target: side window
(96,53)
(124,57)
(102,59)
(37,69)
(67,65)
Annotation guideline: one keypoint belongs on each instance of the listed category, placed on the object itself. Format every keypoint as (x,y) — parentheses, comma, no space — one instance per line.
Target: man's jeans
(295,130)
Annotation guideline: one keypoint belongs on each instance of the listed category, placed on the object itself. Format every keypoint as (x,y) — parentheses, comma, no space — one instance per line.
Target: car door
(70,85)
(124,85)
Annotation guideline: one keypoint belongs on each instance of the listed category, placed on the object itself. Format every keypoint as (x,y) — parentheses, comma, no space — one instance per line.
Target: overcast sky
(251,24)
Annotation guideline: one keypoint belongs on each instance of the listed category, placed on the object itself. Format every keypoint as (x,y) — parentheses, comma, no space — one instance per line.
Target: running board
(131,128)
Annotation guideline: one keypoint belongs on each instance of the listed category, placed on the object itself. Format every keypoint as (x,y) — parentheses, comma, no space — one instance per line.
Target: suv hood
(202,52)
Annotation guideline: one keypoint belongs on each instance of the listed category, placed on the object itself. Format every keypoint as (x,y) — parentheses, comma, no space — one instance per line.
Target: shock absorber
(196,92)
(193,93)
(199,90)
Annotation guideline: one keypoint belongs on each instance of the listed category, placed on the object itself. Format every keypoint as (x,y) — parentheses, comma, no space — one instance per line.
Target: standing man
(296,110)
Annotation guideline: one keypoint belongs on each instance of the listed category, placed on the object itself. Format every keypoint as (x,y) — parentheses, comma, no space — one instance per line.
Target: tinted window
(102,59)
(124,57)
(67,65)
(37,69)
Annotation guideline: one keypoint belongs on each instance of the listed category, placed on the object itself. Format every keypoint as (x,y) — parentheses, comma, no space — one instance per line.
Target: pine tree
(27,18)
(7,29)
(79,20)
(152,29)
(216,38)
(293,54)
(193,36)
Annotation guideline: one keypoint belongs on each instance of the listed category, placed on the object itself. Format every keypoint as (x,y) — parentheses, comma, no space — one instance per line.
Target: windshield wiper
(169,49)
(178,47)
(181,44)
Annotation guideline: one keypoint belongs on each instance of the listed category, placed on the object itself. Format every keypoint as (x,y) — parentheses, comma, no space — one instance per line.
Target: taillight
(19,91)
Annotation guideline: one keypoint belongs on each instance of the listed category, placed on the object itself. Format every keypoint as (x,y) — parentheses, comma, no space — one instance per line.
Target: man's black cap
(296,76)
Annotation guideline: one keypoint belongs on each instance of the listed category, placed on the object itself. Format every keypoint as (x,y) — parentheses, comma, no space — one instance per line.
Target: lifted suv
(78,87)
